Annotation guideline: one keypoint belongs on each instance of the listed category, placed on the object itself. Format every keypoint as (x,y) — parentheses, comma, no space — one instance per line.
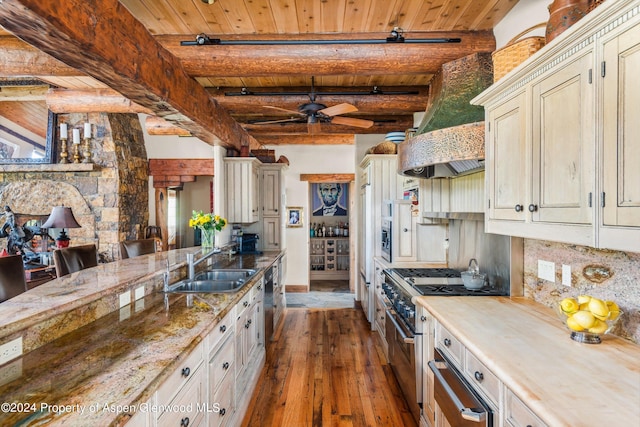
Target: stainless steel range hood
(444,153)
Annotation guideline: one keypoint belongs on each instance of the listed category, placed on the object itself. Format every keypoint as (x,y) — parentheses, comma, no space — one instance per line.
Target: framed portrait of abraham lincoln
(329,199)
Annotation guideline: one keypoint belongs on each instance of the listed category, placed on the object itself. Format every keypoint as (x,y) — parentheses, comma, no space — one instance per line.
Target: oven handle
(391,315)
(466,413)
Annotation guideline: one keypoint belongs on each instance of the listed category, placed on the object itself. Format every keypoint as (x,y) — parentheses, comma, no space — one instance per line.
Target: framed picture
(294,216)
(329,199)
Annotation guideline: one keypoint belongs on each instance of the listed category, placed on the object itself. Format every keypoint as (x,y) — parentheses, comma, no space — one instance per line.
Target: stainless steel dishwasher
(268,306)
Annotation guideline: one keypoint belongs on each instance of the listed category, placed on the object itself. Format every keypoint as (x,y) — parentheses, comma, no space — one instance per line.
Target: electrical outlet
(125,298)
(566,275)
(139,293)
(547,270)
(10,372)
(10,350)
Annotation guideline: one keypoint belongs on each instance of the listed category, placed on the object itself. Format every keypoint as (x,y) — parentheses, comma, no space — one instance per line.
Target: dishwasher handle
(466,413)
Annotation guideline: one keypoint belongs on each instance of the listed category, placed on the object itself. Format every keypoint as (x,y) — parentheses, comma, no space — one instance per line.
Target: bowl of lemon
(588,318)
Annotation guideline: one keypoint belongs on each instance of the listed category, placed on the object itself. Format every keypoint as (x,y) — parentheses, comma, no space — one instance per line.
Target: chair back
(75,258)
(133,248)
(12,278)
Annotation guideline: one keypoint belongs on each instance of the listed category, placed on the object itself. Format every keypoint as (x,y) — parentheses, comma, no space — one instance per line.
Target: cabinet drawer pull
(259,287)
(447,342)
(423,318)
(533,208)
(186,372)
(184,422)
(479,376)
(222,412)
(518,208)
(223,328)
(225,365)
(246,303)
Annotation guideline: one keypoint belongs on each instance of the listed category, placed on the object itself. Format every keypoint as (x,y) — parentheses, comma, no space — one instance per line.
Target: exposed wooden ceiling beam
(295,139)
(326,59)
(18,58)
(23,93)
(91,101)
(102,39)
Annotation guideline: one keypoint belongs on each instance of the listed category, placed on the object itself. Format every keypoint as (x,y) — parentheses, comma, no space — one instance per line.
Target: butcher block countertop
(527,347)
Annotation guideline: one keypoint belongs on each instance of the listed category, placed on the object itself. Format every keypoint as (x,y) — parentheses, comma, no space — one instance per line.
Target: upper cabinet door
(271,192)
(506,146)
(563,147)
(621,123)
(241,176)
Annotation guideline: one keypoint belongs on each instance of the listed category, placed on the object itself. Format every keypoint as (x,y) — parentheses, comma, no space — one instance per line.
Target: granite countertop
(118,359)
(525,344)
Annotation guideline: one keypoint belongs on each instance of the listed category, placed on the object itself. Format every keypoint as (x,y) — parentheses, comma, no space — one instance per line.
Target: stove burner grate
(426,272)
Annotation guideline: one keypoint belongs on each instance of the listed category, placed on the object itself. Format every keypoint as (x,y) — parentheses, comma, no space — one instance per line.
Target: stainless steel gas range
(404,332)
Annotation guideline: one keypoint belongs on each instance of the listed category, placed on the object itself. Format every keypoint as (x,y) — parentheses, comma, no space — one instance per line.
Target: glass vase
(208,238)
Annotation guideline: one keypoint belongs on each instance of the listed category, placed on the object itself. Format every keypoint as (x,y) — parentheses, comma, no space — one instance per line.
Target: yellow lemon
(583,299)
(598,308)
(569,306)
(584,318)
(584,306)
(573,325)
(614,310)
(599,327)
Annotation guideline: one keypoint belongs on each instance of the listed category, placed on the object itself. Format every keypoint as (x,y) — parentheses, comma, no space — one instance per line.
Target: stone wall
(608,275)
(110,202)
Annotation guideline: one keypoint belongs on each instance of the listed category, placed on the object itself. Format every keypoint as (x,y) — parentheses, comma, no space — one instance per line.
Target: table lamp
(61,217)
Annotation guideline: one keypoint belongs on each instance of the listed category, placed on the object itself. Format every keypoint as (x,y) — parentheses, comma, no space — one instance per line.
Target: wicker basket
(385,147)
(516,51)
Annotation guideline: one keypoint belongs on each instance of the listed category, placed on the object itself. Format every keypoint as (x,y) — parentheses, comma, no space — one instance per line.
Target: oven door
(402,343)
(458,401)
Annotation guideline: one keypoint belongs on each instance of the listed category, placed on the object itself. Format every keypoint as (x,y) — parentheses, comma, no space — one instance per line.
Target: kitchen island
(103,370)
(535,367)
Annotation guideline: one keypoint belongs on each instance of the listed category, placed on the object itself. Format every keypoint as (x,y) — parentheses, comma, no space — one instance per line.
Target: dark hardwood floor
(326,368)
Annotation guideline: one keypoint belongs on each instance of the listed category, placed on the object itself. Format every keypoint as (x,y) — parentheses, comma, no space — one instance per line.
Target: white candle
(63,130)
(87,130)
(76,136)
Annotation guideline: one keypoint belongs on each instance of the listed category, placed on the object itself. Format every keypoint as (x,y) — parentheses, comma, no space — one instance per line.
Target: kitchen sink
(230,274)
(207,286)
(214,281)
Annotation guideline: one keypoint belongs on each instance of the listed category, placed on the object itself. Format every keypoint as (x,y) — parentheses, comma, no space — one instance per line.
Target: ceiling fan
(315,113)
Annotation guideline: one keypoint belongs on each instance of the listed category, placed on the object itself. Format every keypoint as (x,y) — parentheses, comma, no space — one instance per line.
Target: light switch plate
(547,270)
(566,275)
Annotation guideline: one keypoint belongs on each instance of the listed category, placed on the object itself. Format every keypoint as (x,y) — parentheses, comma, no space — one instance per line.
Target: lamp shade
(61,217)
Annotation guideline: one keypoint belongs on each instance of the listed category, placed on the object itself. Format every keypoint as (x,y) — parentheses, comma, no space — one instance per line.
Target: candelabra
(86,153)
(64,154)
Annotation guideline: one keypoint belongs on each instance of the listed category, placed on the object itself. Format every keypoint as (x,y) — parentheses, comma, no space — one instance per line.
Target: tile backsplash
(608,275)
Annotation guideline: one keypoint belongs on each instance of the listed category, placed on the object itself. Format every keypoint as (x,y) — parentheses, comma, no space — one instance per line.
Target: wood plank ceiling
(272,75)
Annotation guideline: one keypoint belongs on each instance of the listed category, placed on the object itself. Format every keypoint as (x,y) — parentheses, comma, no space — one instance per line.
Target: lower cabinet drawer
(222,330)
(517,414)
(481,377)
(449,344)
(183,373)
(187,407)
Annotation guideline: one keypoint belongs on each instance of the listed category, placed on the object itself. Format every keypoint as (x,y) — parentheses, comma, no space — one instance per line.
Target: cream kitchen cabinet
(380,317)
(426,323)
(272,204)
(242,176)
(620,226)
(404,234)
(541,157)
(561,135)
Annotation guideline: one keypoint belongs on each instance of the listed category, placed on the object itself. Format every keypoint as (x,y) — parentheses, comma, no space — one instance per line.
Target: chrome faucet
(191,264)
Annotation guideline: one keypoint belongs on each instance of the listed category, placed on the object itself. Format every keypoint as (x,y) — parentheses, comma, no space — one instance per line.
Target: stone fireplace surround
(109,197)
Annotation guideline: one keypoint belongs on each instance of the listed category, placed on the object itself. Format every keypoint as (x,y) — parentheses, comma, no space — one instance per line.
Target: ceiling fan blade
(284,109)
(269,122)
(338,109)
(350,121)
